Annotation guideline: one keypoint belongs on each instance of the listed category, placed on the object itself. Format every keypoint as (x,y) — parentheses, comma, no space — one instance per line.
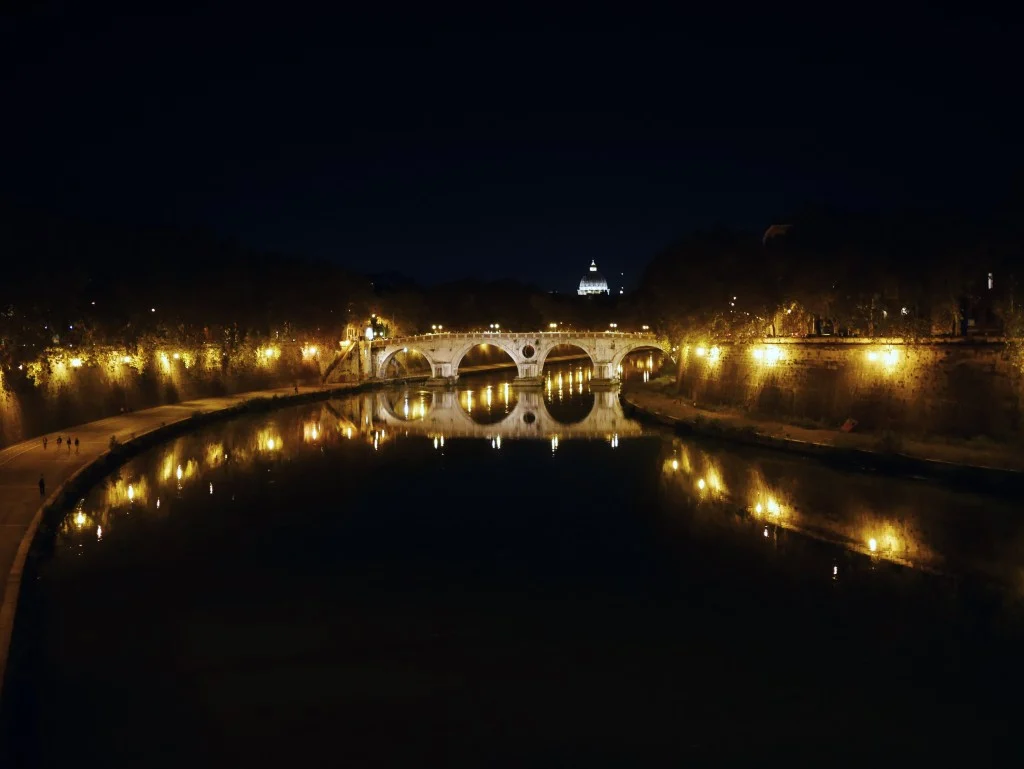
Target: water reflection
(487,402)
(754,494)
(272,548)
(567,392)
(900,521)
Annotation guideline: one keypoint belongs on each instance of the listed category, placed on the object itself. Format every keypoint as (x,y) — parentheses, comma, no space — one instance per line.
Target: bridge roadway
(440,415)
(528,350)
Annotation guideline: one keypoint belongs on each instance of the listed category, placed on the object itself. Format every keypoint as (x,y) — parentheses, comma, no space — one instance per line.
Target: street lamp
(613,325)
(552,325)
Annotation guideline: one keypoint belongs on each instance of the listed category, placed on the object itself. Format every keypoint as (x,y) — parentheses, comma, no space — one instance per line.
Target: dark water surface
(420,579)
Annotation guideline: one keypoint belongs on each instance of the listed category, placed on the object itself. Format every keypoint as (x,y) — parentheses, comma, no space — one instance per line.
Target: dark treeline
(75,283)
(66,281)
(825,272)
(818,272)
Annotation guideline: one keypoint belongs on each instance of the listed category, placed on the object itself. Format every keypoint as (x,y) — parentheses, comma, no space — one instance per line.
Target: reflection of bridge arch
(529,419)
(558,421)
(424,394)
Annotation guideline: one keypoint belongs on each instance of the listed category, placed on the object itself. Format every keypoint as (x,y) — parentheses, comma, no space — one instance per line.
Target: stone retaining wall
(67,387)
(957,388)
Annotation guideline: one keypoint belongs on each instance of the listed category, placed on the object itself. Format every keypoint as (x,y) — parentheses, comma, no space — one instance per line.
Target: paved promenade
(22,464)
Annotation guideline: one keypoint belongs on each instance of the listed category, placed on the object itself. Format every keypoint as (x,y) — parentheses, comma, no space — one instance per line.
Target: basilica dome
(593,282)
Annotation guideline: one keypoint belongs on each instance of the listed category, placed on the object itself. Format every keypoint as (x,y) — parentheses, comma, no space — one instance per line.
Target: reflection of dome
(593,282)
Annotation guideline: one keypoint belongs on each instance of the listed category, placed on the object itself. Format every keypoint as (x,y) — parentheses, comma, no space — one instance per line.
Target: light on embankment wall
(887,358)
(768,354)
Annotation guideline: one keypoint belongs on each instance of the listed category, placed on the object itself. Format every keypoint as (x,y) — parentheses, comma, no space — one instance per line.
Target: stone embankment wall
(62,388)
(955,388)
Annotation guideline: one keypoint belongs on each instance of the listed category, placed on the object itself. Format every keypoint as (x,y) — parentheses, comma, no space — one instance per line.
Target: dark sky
(505,145)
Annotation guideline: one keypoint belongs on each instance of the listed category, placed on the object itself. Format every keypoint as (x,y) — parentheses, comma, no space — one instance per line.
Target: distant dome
(593,282)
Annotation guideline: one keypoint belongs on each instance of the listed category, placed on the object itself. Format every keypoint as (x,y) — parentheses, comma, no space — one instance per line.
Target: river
(492,577)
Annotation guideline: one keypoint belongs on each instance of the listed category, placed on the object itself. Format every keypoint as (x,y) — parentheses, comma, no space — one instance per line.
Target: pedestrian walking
(45,439)
(59,439)
(76,445)
(69,444)
(42,487)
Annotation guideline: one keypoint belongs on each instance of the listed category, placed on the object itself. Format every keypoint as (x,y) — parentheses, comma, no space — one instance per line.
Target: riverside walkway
(22,464)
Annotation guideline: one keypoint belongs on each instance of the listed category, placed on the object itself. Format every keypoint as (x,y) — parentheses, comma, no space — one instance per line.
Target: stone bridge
(440,415)
(444,352)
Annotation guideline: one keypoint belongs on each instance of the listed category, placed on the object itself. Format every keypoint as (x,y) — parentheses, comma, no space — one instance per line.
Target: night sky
(502,146)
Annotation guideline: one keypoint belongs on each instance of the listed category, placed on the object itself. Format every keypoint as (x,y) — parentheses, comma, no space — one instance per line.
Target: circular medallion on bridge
(528,351)
(529,418)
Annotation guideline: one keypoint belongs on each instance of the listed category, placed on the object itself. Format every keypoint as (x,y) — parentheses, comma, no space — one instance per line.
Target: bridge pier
(604,376)
(442,375)
(529,375)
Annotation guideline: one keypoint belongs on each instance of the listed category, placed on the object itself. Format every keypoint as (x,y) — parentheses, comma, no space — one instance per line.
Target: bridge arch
(501,344)
(637,346)
(578,344)
(389,352)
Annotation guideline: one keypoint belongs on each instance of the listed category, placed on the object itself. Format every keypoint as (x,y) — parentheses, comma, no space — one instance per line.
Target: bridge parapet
(528,350)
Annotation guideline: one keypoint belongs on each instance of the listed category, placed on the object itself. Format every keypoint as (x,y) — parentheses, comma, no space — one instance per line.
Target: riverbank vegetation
(827,273)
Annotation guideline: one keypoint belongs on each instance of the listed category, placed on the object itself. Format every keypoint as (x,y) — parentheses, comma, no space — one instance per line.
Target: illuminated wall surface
(954,389)
(67,387)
